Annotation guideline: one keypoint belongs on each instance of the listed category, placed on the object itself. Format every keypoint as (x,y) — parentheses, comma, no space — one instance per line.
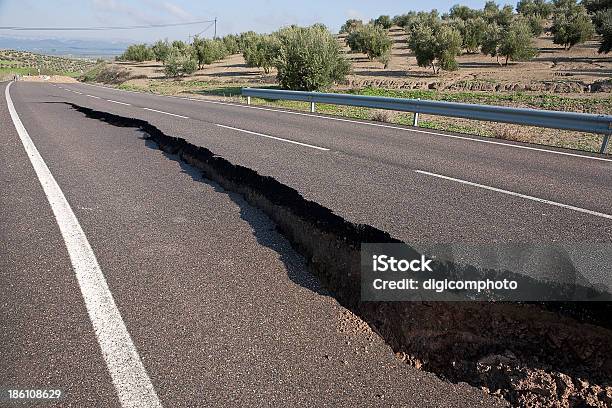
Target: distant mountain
(65,47)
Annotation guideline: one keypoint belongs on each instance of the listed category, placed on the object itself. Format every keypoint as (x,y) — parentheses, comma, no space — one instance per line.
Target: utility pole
(215,28)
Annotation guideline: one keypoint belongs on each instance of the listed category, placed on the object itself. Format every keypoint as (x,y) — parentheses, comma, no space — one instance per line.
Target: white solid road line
(166,113)
(93,96)
(131,381)
(427,132)
(512,193)
(273,137)
(120,103)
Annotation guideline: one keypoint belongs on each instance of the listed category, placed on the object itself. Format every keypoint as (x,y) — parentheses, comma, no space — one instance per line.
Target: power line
(104,28)
(204,30)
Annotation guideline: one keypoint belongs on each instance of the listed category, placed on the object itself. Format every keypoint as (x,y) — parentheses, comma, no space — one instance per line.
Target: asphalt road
(437,191)
(219,308)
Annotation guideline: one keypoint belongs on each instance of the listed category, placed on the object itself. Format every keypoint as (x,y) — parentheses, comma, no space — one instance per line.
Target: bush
(261,51)
(571,24)
(161,50)
(137,53)
(436,47)
(309,59)
(373,41)
(350,25)
(383,21)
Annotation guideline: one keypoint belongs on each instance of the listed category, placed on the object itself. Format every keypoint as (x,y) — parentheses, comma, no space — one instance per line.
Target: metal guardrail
(583,122)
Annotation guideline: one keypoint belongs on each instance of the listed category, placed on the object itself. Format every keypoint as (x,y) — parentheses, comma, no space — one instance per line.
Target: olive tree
(383,21)
(137,53)
(436,47)
(464,12)
(540,8)
(512,43)
(161,50)
(180,63)
(261,51)
(471,30)
(571,24)
(231,44)
(493,14)
(371,40)
(350,25)
(179,45)
(603,22)
(309,59)
(517,43)
(208,51)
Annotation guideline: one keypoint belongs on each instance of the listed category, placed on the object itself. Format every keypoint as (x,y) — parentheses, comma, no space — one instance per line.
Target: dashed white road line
(93,96)
(512,193)
(120,103)
(129,376)
(166,113)
(273,137)
(427,132)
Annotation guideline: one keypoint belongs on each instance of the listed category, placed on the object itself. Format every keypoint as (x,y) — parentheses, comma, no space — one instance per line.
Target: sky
(233,16)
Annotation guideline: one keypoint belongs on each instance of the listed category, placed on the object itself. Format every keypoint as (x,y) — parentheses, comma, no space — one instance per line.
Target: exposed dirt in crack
(549,354)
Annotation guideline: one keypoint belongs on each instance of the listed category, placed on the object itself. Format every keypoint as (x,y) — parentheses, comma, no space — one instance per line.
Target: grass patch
(519,99)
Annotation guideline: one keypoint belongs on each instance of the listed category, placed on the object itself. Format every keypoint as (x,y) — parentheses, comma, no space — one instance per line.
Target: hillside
(28,63)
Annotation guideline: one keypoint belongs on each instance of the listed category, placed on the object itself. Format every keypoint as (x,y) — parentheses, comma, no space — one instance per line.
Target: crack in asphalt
(450,339)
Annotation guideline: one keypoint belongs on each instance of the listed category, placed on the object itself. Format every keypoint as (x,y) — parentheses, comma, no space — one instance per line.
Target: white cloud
(176,10)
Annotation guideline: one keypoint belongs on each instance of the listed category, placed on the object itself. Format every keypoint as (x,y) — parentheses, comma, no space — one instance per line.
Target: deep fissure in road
(530,354)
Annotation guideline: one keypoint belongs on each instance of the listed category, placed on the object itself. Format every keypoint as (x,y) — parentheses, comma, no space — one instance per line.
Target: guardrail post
(604,144)
(312,107)
(248,100)
(415,120)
